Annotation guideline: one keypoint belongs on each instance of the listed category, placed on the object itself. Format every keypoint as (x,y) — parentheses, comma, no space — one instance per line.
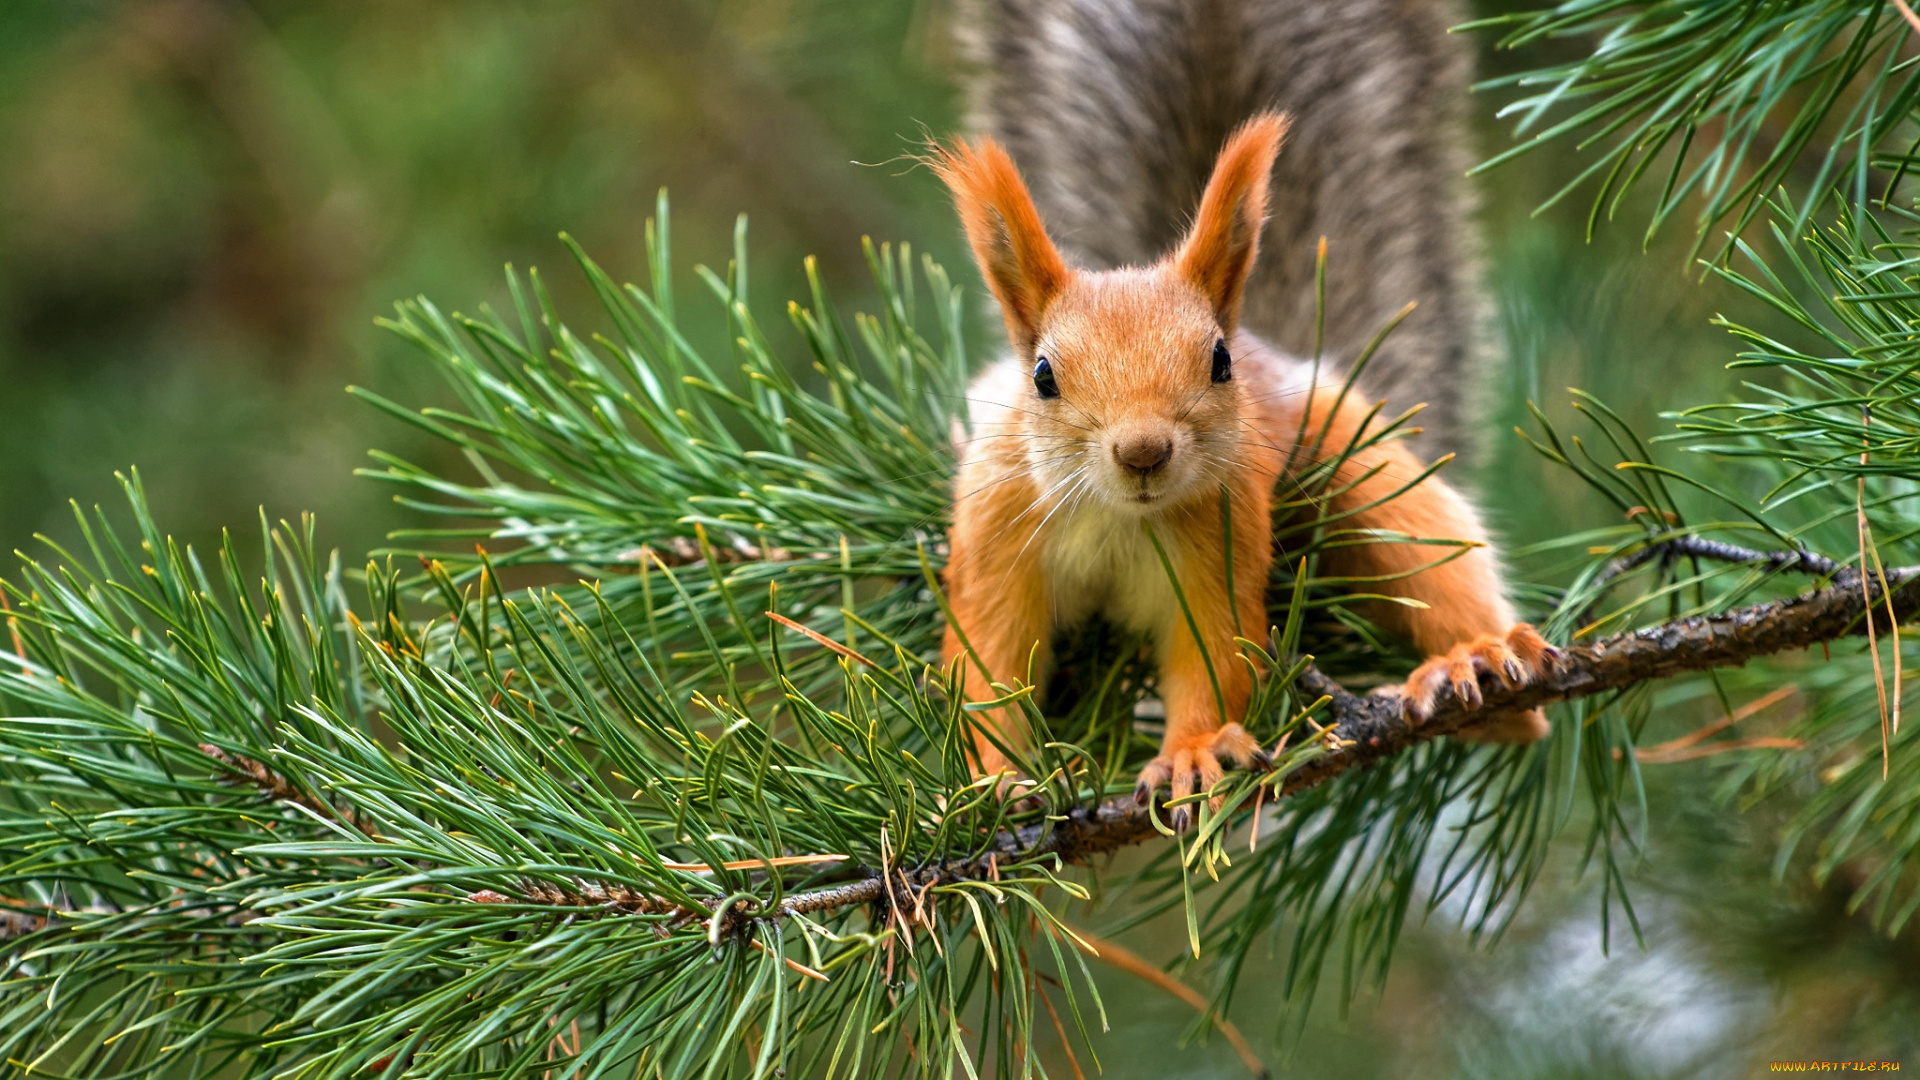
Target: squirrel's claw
(1192,763)
(1514,659)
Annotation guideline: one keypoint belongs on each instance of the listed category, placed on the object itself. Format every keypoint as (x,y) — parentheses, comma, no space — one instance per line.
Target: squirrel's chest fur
(1097,562)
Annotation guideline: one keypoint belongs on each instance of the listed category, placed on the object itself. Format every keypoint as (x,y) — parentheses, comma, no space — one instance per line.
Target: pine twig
(1374,728)
(1720,551)
(1700,547)
(1370,729)
(1699,643)
(685,551)
(275,786)
(19,917)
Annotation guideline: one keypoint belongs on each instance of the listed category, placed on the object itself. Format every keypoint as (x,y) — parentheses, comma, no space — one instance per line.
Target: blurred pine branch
(1718,102)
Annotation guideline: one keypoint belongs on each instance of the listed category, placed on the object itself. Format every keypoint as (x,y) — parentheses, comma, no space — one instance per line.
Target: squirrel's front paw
(1192,763)
(1514,658)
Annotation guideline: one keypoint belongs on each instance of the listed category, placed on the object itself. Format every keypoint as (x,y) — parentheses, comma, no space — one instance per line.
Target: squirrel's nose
(1143,453)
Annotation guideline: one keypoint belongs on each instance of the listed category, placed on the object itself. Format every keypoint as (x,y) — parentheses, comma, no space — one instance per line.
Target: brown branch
(19,918)
(1700,547)
(1374,728)
(1371,729)
(275,786)
(1700,643)
(685,551)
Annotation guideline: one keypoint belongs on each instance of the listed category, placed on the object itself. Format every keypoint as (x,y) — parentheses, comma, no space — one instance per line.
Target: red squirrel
(1130,398)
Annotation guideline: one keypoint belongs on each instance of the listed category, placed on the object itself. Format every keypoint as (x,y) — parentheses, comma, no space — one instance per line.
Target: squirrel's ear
(1218,253)
(1020,263)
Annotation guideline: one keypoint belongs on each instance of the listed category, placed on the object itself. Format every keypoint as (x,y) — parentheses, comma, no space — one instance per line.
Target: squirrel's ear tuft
(1218,253)
(1020,263)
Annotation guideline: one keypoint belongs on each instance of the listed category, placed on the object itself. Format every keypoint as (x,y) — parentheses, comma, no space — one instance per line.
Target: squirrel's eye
(1222,363)
(1043,379)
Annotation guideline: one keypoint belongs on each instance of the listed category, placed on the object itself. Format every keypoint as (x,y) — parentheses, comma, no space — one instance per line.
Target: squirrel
(1134,400)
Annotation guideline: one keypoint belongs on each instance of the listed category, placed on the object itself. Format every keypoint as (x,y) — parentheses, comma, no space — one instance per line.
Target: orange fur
(1463,592)
(1218,254)
(1021,265)
(1060,494)
(1463,620)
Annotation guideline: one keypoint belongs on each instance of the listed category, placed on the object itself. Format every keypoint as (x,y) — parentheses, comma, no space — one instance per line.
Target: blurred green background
(205,204)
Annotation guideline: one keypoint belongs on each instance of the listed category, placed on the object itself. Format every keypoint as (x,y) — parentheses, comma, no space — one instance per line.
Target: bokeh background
(205,204)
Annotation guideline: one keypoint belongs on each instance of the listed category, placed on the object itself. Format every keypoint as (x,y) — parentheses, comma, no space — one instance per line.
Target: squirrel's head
(1132,392)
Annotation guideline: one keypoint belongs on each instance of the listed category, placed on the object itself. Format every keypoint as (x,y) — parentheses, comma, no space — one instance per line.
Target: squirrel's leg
(1467,626)
(999,603)
(1203,682)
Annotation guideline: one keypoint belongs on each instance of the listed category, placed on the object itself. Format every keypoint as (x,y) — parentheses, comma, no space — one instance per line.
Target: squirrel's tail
(1114,110)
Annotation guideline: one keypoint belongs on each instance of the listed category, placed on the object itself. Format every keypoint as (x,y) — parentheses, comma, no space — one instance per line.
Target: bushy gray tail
(1114,109)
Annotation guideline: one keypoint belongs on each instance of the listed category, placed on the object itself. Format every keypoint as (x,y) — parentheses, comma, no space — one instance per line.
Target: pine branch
(1701,643)
(1665,552)
(686,551)
(276,786)
(1372,729)
(1700,547)
(601,783)
(19,918)
(1715,103)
